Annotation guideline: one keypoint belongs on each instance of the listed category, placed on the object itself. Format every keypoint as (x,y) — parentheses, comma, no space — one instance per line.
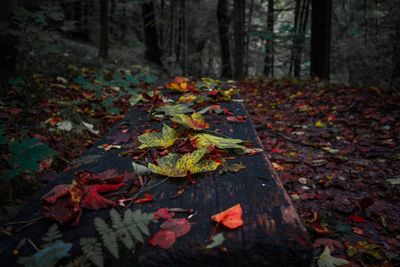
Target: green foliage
(128,229)
(25,156)
(93,250)
(52,236)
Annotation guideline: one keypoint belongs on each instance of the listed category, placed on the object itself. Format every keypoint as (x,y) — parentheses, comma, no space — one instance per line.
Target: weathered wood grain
(272,234)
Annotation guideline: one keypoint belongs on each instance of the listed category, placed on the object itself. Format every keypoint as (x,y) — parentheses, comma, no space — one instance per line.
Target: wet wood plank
(272,234)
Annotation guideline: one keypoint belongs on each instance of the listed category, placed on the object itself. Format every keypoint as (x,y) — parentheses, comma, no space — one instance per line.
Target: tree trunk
(8,52)
(238,10)
(103,51)
(153,52)
(223,26)
(269,45)
(300,37)
(320,38)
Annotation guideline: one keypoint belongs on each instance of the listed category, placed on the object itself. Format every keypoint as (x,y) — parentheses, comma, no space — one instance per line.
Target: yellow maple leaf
(320,124)
(164,139)
(187,98)
(174,166)
(195,121)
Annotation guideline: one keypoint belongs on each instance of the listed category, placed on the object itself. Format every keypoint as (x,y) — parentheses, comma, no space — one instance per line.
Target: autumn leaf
(174,166)
(232,168)
(180,226)
(208,140)
(327,260)
(231,218)
(364,248)
(163,213)
(164,139)
(170,110)
(165,239)
(146,199)
(189,98)
(170,230)
(195,121)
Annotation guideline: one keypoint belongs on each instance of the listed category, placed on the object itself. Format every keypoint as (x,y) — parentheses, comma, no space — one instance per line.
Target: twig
(26,221)
(33,244)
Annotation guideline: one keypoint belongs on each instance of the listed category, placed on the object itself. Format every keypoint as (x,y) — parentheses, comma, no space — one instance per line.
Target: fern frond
(53,235)
(93,250)
(108,236)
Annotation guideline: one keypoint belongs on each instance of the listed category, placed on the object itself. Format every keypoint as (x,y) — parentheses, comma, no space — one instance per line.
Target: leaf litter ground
(337,152)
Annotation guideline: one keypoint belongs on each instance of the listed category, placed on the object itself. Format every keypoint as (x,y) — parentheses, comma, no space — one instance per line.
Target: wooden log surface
(272,234)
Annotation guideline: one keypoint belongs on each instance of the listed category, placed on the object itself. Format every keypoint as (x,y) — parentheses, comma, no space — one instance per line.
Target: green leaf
(164,139)
(218,239)
(327,260)
(27,154)
(93,250)
(174,166)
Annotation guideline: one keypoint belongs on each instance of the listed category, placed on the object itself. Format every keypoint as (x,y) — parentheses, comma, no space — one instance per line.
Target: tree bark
(153,52)
(320,38)
(103,50)
(238,10)
(223,26)
(269,45)
(300,36)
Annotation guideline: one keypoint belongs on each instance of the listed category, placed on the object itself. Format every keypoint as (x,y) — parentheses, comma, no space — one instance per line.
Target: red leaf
(146,199)
(236,118)
(231,218)
(163,213)
(93,200)
(163,238)
(179,226)
(357,219)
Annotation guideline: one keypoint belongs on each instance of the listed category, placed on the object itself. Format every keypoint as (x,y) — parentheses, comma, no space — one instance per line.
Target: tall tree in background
(269,45)
(223,26)
(239,34)
(103,51)
(153,52)
(301,15)
(321,38)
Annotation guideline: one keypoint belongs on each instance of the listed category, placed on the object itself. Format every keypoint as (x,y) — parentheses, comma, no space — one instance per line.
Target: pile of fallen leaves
(337,152)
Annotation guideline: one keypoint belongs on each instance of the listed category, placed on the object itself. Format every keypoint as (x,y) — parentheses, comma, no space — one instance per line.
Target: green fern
(53,235)
(129,229)
(108,236)
(93,250)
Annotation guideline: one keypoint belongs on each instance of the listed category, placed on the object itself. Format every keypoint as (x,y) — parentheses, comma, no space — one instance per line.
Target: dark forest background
(350,41)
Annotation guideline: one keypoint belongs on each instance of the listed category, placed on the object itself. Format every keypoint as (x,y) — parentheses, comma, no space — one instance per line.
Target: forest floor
(337,152)
(335,148)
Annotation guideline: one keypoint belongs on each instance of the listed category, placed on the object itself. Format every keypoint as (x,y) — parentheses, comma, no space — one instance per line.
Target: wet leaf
(180,226)
(218,240)
(164,139)
(165,239)
(173,165)
(196,121)
(236,167)
(231,218)
(170,110)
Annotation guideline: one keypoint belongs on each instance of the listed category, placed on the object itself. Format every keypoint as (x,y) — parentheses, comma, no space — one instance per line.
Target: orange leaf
(231,218)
